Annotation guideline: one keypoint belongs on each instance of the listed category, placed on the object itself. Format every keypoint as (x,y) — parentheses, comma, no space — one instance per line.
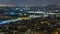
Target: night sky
(29,2)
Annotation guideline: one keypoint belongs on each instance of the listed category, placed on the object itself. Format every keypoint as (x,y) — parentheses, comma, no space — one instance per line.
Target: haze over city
(29,2)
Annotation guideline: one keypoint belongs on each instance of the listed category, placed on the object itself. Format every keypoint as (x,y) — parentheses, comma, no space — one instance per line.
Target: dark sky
(29,2)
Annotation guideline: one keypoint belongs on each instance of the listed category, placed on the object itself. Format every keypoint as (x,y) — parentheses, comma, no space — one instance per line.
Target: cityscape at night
(29,16)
